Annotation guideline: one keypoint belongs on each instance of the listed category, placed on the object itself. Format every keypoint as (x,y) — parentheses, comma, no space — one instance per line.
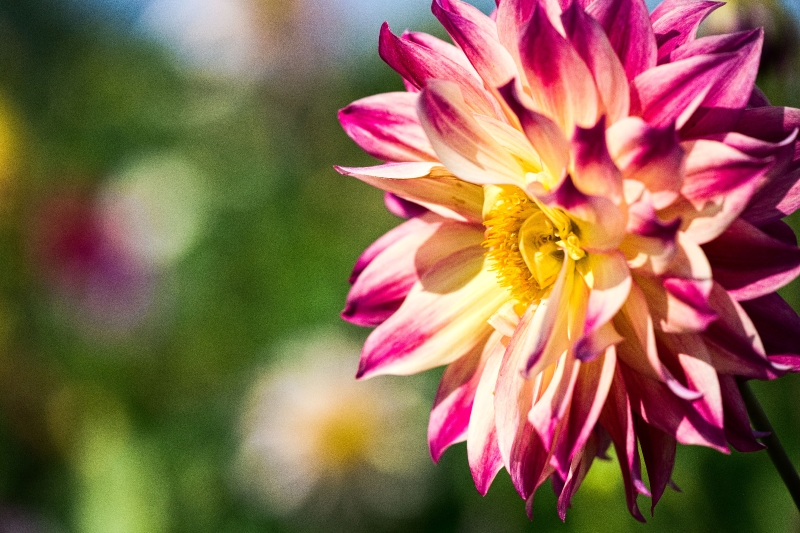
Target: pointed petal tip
(681,391)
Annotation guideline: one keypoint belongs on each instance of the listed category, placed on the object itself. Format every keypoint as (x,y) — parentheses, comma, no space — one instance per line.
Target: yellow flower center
(526,242)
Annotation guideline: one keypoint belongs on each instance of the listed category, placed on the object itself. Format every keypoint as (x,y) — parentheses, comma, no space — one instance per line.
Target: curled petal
(737,422)
(426,184)
(720,182)
(657,405)
(724,103)
(750,263)
(617,419)
(658,451)
(561,84)
(418,64)
(591,345)
(385,282)
(535,336)
(386,127)
(588,397)
(594,172)
(733,340)
(627,24)
(675,23)
(524,455)
(476,35)
(610,286)
(671,93)
(450,415)
(593,46)
(544,135)
(483,451)
(550,408)
(400,207)
(650,155)
(461,144)
(578,469)
(443,317)
(639,350)
(777,323)
(409,227)
(650,243)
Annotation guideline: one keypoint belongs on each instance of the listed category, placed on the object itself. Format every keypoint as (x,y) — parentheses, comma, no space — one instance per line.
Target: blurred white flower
(315,438)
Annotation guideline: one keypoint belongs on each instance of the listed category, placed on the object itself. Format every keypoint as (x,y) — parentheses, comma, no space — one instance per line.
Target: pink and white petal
(511,17)
(523,454)
(462,145)
(768,123)
(442,48)
(777,198)
(627,24)
(678,305)
(675,23)
(511,140)
(544,135)
(387,239)
(450,415)
(693,363)
(657,405)
(639,350)
(476,35)
(384,283)
(725,43)
(427,184)
(658,452)
(418,64)
(593,46)
(542,329)
(561,84)
(588,397)
(749,263)
(777,323)
(588,347)
(720,181)
(601,224)
(754,147)
(387,128)
(650,243)
(443,317)
(650,155)
(483,451)
(723,105)
(714,168)
(550,408)
(737,422)
(610,285)
(734,342)
(617,419)
(671,93)
(579,467)
(593,170)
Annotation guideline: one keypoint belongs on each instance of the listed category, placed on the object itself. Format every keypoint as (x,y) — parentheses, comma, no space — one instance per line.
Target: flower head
(595,240)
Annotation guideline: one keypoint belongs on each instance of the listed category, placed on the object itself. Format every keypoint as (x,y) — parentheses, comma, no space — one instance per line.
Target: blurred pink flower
(601,239)
(80,253)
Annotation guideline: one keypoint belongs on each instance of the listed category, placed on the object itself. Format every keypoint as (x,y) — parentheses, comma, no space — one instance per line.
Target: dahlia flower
(594,236)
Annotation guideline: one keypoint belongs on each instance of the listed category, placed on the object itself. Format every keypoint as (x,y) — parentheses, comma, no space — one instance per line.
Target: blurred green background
(175,251)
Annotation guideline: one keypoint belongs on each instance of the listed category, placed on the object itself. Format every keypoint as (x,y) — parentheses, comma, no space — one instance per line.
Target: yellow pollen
(526,243)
